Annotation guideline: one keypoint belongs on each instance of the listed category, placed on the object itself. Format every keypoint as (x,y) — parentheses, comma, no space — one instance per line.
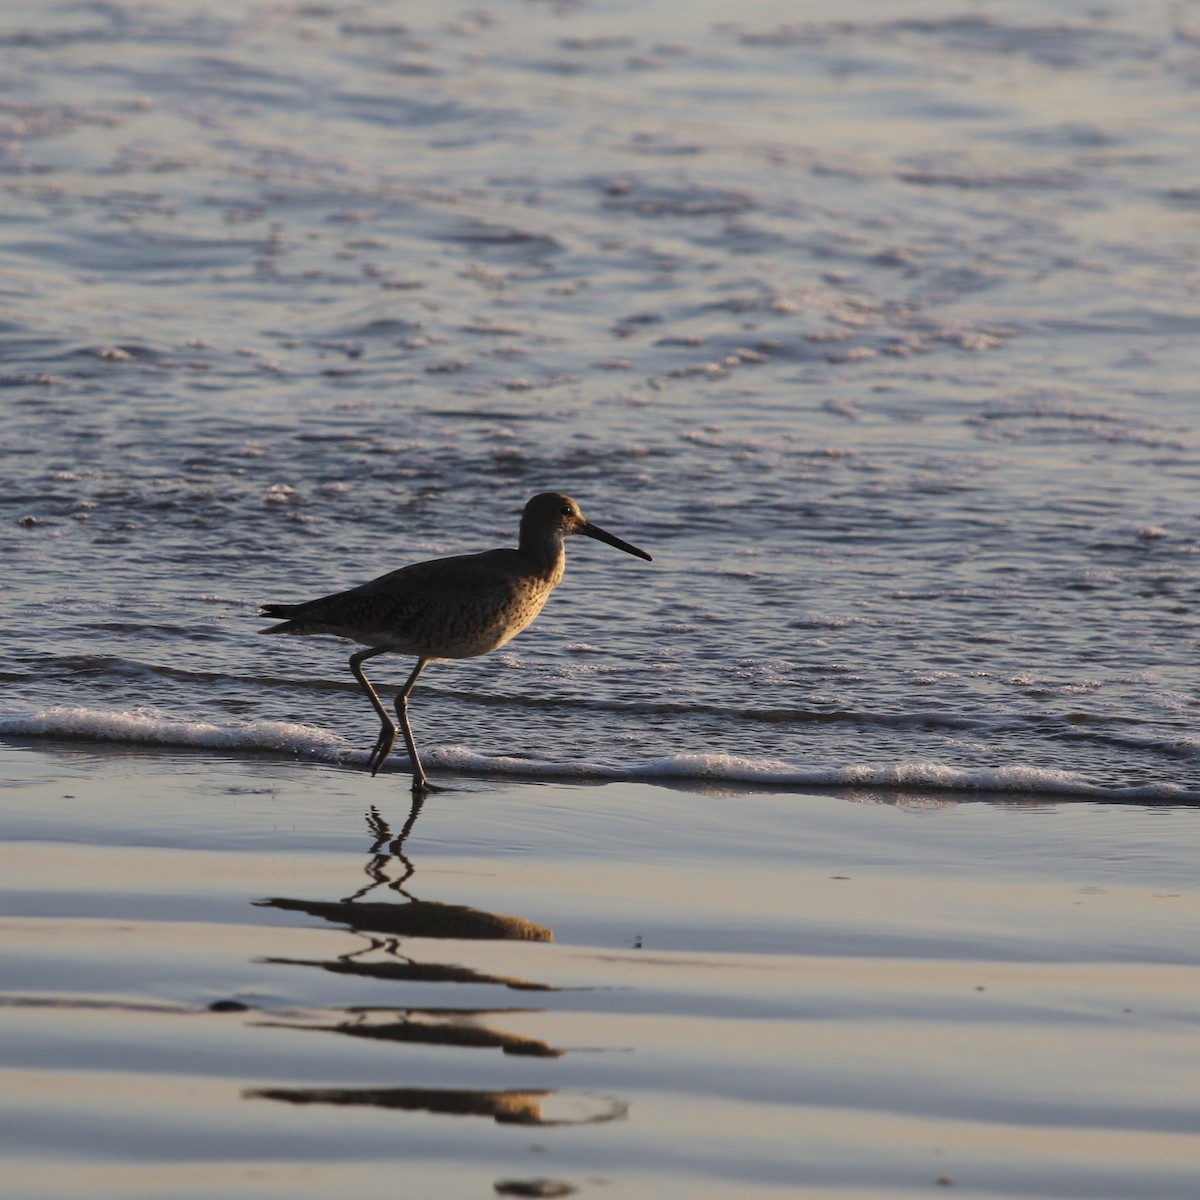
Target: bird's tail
(280,610)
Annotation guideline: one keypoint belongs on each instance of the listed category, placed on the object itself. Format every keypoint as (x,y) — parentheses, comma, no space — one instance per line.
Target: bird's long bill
(602,535)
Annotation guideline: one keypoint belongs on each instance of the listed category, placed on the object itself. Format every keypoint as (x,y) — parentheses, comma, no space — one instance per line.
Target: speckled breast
(469,625)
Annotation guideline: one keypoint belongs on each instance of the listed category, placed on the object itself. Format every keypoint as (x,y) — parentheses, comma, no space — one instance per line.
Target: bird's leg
(387,731)
(420,782)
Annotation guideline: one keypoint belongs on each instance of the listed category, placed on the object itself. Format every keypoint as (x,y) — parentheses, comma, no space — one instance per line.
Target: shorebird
(456,607)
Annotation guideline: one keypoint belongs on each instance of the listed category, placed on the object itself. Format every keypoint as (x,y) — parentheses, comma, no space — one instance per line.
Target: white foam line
(729,768)
(147,726)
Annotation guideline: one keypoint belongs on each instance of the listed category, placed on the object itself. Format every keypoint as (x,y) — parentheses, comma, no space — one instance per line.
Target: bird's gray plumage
(447,608)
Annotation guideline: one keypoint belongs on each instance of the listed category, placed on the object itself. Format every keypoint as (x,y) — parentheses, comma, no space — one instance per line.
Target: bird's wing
(399,600)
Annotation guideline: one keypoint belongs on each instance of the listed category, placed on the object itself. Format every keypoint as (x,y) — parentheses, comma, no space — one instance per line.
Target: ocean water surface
(879,328)
(879,333)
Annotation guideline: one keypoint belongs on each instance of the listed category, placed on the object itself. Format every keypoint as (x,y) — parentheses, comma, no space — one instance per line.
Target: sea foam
(148,727)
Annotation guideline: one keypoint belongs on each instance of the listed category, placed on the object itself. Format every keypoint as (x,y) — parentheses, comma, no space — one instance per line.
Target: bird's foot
(381,749)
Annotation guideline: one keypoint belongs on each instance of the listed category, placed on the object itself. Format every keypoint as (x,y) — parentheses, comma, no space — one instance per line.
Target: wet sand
(226,977)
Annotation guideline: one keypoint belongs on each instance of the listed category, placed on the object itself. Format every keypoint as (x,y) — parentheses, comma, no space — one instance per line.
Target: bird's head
(553,514)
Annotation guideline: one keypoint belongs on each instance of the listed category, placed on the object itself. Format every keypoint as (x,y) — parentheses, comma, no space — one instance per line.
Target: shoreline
(277,742)
(581,983)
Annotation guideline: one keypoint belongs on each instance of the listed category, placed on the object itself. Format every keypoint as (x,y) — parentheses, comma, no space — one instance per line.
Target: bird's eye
(565,510)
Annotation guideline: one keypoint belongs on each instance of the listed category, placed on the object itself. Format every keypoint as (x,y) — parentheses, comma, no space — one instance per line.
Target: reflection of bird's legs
(374,869)
(373,943)
(379,859)
(376,864)
(383,831)
(389,945)
(418,803)
(379,827)
(397,844)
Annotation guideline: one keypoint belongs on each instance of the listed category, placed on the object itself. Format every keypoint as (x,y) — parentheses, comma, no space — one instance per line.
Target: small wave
(148,727)
(1103,730)
(900,776)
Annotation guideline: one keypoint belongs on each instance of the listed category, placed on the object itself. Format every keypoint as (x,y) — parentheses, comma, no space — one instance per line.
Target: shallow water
(229,979)
(878,332)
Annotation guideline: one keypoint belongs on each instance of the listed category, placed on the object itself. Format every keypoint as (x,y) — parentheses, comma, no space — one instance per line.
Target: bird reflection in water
(385,925)
(509,1107)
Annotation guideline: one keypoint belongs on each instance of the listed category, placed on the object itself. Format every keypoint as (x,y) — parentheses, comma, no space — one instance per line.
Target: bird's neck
(546,552)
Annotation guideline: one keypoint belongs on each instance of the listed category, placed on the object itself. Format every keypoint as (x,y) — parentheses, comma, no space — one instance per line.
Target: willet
(456,607)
